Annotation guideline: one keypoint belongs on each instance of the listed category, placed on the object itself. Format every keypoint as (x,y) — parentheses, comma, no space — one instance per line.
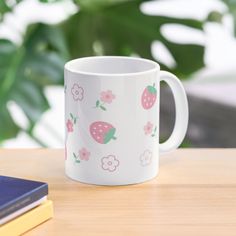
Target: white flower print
(146,158)
(77,92)
(110,163)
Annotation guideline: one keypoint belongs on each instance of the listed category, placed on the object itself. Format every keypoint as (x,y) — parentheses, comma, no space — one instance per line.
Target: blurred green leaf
(7,6)
(98,4)
(8,128)
(25,70)
(31,99)
(103,108)
(186,144)
(4,7)
(122,29)
(49,1)
(215,16)
(232,10)
(101,27)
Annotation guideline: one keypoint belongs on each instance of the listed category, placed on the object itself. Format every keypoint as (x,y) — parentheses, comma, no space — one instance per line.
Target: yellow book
(28,220)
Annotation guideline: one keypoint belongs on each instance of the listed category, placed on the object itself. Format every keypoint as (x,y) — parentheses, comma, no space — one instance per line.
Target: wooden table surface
(194,194)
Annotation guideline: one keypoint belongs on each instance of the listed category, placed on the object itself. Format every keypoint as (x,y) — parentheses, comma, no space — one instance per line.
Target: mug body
(112,120)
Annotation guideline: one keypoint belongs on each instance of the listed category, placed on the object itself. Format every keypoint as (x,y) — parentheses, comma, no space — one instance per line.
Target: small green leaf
(74,155)
(77,161)
(71,116)
(155,129)
(74,120)
(109,135)
(103,108)
(97,103)
(153,135)
(152,89)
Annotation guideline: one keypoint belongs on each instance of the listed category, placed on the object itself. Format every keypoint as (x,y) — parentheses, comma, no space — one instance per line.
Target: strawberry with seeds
(149,97)
(102,132)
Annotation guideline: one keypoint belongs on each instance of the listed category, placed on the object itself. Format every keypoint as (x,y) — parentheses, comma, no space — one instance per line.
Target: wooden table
(194,194)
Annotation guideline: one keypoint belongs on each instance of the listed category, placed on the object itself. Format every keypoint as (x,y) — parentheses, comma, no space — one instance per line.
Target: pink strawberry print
(102,132)
(149,96)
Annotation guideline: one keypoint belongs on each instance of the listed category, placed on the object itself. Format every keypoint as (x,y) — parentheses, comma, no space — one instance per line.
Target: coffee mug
(112,119)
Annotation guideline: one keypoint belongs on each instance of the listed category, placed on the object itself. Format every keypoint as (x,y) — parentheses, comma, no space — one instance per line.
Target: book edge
(34,195)
(21,211)
(29,220)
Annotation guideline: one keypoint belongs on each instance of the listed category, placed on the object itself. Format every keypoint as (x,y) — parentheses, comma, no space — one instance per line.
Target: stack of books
(23,205)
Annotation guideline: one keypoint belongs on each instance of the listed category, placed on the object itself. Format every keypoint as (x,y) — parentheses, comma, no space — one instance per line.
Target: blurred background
(193,39)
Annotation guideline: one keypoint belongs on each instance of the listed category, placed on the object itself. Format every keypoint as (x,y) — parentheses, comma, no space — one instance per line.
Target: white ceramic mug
(112,119)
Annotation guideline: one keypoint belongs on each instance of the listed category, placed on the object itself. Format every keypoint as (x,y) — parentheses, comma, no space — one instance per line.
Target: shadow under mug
(112,119)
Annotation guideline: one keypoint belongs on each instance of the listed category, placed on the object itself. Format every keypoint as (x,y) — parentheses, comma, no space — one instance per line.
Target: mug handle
(181,110)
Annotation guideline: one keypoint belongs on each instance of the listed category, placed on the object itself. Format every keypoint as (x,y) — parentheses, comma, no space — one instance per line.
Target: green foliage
(232,10)
(101,27)
(90,5)
(122,29)
(5,6)
(25,70)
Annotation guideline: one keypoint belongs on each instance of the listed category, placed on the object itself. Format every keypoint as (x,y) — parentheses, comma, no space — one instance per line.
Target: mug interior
(111,65)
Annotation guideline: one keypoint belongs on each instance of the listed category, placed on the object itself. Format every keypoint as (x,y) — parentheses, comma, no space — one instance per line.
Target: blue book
(16,194)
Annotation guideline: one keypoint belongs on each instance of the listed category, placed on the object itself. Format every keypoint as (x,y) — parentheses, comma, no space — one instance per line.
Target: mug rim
(155,66)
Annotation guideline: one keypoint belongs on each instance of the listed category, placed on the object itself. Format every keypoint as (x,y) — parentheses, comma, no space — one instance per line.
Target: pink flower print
(69,125)
(106,97)
(110,163)
(84,154)
(146,158)
(77,92)
(148,128)
(71,122)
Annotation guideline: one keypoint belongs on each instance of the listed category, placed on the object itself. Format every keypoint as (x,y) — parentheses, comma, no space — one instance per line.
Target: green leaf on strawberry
(152,89)
(103,108)
(109,135)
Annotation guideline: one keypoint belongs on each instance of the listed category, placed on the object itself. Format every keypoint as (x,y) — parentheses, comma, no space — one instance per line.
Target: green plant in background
(232,10)
(25,71)
(101,27)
